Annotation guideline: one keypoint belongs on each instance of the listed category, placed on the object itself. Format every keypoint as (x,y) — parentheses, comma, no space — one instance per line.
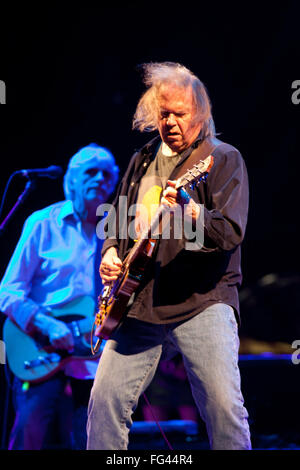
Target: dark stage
(71,78)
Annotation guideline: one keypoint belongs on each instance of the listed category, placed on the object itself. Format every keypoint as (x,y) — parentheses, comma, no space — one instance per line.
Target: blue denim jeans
(37,409)
(209,345)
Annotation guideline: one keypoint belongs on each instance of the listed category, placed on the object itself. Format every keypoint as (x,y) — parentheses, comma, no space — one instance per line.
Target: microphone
(50,172)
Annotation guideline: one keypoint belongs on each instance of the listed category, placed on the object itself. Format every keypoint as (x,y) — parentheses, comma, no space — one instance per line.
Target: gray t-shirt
(151,186)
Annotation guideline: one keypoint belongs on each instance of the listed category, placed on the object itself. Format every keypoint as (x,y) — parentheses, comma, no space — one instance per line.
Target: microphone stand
(28,188)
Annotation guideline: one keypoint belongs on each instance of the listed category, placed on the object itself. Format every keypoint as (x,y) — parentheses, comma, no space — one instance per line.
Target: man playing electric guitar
(188,296)
(50,271)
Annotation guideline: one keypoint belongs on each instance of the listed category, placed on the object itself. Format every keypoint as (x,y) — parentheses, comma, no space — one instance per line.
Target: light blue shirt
(53,263)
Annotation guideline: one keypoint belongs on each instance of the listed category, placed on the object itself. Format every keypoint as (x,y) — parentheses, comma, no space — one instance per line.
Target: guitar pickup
(75,328)
(150,248)
(42,360)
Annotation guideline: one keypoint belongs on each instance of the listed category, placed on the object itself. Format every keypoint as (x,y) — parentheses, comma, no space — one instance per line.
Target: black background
(72,78)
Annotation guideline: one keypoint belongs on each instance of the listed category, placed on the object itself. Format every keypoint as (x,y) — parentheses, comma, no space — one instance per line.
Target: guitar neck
(197,173)
(151,232)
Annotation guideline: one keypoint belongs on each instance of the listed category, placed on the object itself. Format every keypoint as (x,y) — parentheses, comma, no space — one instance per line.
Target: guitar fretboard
(197,172)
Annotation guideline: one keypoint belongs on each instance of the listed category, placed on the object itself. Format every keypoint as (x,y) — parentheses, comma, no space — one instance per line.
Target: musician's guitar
(33,359)
(115,297)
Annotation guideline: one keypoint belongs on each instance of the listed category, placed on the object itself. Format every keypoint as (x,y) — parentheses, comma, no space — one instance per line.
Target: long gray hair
(159,73)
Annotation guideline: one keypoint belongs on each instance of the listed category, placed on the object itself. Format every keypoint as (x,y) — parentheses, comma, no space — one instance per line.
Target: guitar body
(115,300)
(33,359)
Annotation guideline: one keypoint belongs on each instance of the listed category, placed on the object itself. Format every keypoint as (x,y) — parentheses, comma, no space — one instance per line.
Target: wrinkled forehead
(172,94)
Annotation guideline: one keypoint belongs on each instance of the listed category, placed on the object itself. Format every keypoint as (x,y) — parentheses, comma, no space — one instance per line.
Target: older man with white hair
(52,266)
(187,298)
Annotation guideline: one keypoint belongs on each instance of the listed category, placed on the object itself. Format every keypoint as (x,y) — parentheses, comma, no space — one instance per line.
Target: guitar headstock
(196,174)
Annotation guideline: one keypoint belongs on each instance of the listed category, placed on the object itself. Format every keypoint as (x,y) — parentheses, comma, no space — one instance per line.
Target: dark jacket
(181,283)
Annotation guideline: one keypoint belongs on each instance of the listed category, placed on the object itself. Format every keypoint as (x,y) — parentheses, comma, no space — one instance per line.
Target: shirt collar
(67,210)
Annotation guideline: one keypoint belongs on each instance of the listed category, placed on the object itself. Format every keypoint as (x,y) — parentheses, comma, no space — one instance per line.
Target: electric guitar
(33,359)
(115,296)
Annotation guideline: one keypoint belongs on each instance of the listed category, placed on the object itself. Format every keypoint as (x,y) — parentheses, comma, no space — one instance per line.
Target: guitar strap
(204,149)
(97,260)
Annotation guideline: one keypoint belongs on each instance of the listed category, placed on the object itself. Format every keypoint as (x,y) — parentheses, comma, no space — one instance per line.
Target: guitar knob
(42,360)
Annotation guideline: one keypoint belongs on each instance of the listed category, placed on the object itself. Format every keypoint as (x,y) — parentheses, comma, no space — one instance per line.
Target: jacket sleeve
(226,211)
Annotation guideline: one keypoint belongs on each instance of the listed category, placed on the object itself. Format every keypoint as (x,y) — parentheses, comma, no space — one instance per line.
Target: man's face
(176,117)
(95,180)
